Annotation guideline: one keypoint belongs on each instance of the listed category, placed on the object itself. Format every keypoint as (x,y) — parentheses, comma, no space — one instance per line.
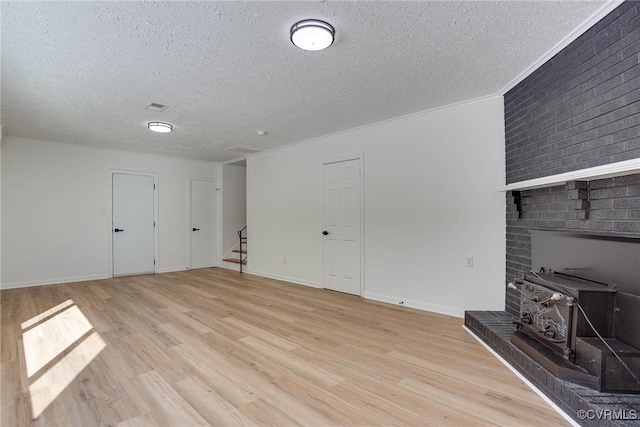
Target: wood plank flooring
(212,347)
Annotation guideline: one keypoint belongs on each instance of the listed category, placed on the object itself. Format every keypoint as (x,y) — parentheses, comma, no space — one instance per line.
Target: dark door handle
(325,233)
(196,229)
(117,230)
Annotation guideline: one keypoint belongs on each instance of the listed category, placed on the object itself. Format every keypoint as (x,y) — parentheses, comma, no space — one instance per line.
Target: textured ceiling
(82,72)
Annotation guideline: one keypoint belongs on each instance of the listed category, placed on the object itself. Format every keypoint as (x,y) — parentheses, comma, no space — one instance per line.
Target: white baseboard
(286,279)
(14,285)
(449,311)
(172,269)
(524,380)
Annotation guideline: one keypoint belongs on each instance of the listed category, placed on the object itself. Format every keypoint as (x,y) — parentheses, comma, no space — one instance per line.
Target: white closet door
(133,239)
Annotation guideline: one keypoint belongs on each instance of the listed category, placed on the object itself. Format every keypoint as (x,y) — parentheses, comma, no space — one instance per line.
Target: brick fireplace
(579,110)
(614,210)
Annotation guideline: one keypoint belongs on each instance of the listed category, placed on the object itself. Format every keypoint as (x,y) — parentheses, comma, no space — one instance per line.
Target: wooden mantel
(627,167)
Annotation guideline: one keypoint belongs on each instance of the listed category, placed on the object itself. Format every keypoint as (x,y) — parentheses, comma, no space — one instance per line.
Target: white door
(204,220)
(341,226)
(132,227)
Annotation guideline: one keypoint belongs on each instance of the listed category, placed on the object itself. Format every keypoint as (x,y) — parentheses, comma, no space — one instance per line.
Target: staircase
(241,260)
(237,260)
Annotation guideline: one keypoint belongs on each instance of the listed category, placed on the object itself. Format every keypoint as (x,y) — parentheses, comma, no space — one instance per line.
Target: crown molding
(580,30)
(105,149)
(422,113)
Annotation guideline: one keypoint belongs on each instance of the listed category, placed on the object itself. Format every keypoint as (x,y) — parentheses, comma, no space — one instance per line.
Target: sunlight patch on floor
(60,343)
(40,317)
(47,340)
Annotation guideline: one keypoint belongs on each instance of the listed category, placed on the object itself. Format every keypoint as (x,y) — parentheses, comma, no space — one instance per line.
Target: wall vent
(243,150)
(154,106)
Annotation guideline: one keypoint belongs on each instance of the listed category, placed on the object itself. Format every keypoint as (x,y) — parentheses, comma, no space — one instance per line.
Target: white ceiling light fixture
(312,34)
(159,127)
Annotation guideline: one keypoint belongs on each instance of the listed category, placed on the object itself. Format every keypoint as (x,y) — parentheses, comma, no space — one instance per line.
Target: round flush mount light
(312,34)
(159,127)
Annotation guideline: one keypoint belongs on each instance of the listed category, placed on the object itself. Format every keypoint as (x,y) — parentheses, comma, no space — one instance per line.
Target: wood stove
(583,330)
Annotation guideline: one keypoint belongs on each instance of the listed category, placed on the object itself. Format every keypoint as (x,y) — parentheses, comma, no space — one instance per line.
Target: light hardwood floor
(212,347)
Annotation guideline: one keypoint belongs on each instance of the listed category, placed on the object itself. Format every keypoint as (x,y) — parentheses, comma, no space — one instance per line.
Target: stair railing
(242,240)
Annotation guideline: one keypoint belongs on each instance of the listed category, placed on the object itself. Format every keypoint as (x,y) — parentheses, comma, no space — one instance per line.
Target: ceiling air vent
(243,150)
(156,107)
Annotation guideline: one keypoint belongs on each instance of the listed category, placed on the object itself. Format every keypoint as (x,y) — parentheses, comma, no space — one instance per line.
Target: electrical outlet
(468,261)
(284,259)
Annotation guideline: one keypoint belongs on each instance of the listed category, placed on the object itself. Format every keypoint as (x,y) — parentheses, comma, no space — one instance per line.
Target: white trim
(426,112)
(219,223)
(286,279)
(360,158)
(142,273)
(567,40)
(524,380)
(626,167)
(172,269)
(341,159)
(237,159)
(112,150)
(156,210)
(58,281)
(441,309)
(367,125)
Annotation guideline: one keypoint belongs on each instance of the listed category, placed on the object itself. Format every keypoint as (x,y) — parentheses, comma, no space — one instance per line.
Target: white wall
(430,197)
(235,204)
(1,144)
(56,202)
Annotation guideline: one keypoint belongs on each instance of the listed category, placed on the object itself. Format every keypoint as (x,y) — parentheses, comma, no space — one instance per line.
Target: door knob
(196,229)
(325,233)
(117,230)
